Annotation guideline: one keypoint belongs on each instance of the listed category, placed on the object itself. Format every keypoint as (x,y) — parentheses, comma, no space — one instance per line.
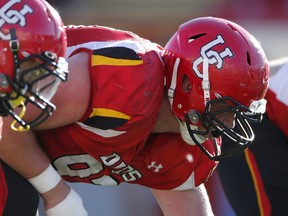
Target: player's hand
(59,198)
(72,205)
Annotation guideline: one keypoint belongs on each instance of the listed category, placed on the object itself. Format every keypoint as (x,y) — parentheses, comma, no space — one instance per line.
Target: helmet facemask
(241,134)
(197,125)
(32,60)
(33,85)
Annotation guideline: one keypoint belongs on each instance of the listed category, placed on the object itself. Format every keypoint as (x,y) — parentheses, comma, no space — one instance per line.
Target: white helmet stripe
(173,81)
(205,81)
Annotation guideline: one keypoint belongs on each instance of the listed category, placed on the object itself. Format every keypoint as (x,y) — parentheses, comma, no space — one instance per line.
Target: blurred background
(157,20)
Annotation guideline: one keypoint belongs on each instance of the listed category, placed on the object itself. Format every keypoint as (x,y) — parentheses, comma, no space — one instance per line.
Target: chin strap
(22,113)
(186,135)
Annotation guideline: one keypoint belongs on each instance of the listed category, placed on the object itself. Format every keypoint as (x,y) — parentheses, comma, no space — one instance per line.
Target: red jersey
(277,99)
(113,143)
(3,189)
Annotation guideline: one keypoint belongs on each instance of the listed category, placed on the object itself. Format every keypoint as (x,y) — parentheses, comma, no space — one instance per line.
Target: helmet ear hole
(186,84)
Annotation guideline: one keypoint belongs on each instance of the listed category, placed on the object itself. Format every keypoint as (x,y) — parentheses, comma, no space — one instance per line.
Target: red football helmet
(224,63)
(32,48)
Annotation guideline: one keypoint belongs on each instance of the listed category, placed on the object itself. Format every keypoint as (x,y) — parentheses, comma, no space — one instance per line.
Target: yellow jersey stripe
(109,113)
(98,60)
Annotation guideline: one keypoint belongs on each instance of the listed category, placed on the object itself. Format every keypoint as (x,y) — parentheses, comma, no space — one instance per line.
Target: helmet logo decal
(213,56)
(10,16)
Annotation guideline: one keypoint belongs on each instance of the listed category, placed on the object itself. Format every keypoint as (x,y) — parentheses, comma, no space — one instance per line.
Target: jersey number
(84,166)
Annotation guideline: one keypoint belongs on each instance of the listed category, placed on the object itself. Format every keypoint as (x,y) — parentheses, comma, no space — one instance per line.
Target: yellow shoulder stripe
(103,60)
(109,113)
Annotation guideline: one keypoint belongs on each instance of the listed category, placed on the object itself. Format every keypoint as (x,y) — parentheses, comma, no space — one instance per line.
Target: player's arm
(188,202)
(21,152)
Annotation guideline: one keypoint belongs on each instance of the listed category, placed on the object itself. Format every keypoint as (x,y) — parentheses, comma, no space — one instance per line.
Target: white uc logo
(213,57)
(12,16)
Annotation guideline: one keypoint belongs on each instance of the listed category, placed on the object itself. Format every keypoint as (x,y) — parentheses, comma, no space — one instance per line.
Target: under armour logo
(155,167)
(213,56)
(10,16)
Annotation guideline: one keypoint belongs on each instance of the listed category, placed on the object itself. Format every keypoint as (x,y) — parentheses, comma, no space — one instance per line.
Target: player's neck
(166,120)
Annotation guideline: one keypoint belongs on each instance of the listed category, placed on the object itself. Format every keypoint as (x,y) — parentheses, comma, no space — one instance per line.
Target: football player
(32,64)
(260,184)
(138,113)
